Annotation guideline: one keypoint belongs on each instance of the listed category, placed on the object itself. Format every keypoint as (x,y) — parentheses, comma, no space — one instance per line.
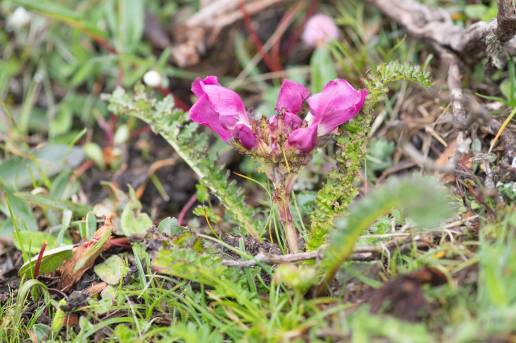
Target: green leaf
(186,263)
(170,226)
(60,13)
(322,68)
(39,163)
(31,241)
(94,153)
(422,199)
(126,21)
(339,190)
(51,260)
(133,221)
(19,212)
(191,146)
(47,202)
(112,270)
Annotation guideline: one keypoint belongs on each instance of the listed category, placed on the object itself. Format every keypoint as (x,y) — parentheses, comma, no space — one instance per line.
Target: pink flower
(337,104)
(222,110)
(319,30)
(291,98)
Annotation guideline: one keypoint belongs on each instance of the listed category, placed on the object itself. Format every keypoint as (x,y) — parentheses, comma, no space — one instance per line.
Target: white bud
(18,19)
(153,79)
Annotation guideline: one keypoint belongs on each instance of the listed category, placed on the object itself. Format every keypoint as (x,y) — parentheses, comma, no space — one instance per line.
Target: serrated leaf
(422,199)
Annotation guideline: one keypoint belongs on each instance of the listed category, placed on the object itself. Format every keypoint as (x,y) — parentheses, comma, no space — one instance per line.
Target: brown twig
(184,210)
(404,242)
(256,40)
(39,260)
(436,25)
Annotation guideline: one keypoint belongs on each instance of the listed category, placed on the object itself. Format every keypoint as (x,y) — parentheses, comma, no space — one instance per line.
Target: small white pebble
(18,19)
(153,79)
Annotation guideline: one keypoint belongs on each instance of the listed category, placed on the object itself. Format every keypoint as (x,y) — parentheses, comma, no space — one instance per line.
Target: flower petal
(338,103)
(291,96)
(292,120)
(245,136)
(227,104)
(203,113)
(198,84)
(304,138)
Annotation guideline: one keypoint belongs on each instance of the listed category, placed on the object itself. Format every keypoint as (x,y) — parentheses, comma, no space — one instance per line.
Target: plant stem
(283,184)
(288,225)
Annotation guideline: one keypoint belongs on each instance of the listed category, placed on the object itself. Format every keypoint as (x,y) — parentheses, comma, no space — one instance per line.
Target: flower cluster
(285,135)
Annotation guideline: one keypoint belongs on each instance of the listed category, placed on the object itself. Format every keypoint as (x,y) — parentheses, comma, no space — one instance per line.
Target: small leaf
(112,270)
(133,221)
(44,162)
(51,261)
(32,241)
(94,152)
(322,68)
(170,226)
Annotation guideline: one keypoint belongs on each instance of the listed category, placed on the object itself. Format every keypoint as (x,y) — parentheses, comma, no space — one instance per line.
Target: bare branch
(436,26)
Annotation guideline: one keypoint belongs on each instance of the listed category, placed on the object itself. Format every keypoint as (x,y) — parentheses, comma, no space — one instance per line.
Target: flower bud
(18,19)
(153,79)
(319,30)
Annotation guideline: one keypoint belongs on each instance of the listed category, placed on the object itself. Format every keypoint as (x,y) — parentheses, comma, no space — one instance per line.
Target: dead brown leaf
(403,297)
(84,256)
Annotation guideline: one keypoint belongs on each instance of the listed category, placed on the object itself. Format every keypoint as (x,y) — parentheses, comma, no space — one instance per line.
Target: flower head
(337,104)
(286,134)
(319,30)
(222,110)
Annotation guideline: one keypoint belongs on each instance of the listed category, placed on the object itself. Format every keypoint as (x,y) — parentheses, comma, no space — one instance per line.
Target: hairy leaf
(422,199)
(339,190)
(172,124)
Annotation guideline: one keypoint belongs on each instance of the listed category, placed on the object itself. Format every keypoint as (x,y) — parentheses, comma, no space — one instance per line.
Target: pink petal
(291,96)
(304,138)
(320,29)
(292,120)
(203,113)
(198,84)
(338,103)
(245,136)
(227,104)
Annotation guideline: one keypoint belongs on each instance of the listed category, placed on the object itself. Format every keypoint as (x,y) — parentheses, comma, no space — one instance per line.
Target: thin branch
(366,253)
(436,25)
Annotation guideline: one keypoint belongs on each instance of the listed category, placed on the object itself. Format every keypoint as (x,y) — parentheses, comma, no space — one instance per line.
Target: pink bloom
(337,104)
(222,110)
(291,97)
(304,138)
(319,30)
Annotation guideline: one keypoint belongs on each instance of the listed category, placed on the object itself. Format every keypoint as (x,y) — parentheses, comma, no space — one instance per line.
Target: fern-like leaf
(339,190)
(172,124)
(421,198)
